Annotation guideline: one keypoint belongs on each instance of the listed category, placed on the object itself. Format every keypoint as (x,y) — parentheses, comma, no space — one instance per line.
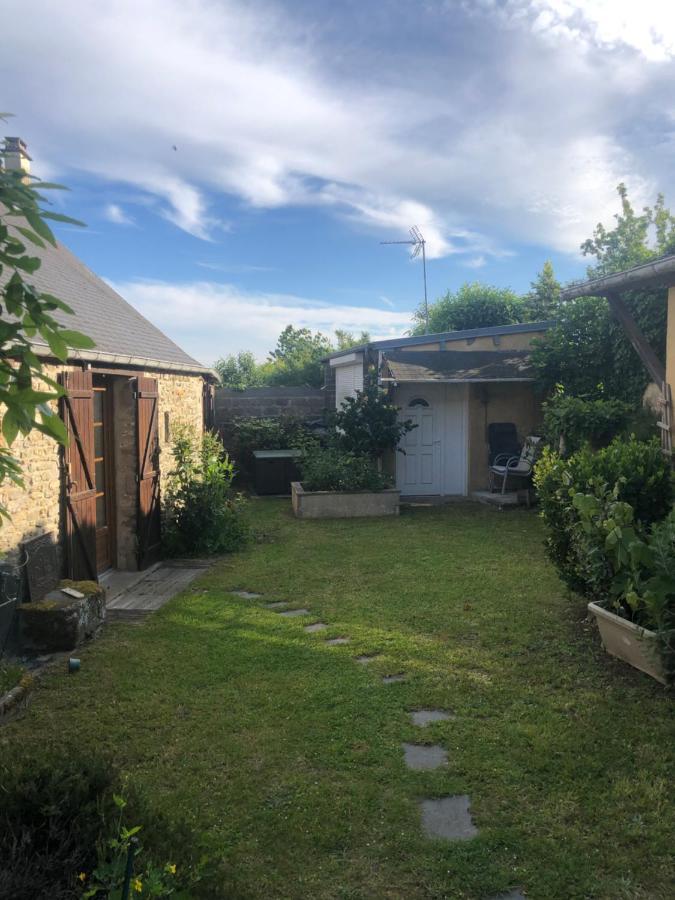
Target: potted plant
(345,479)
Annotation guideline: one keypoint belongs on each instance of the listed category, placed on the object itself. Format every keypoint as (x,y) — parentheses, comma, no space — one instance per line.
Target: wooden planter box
(629,642)
(343,504)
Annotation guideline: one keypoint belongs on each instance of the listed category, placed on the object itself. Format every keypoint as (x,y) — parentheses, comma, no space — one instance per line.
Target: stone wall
(38,509)
(35,510)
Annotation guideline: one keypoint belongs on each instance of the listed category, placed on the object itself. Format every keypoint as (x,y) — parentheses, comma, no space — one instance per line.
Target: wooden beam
(640,343)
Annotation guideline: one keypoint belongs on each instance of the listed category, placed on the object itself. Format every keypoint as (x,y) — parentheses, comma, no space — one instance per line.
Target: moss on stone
(84,587)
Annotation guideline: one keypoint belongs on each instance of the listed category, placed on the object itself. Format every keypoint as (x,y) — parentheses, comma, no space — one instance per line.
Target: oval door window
(418,401)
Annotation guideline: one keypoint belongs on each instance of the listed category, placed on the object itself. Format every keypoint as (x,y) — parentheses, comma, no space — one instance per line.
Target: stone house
(452,386)
(99,497)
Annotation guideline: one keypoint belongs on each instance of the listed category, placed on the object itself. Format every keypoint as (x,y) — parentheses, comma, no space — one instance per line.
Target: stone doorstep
(448,818)
(423,757)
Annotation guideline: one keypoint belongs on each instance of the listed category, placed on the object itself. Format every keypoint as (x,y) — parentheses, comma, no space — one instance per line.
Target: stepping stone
(366,658)
(341,640)
(317,626)
(246,595)
(278,604)
(448,818)
(510,895)
(293,613)
(422,757)
(392,679)
(424,717)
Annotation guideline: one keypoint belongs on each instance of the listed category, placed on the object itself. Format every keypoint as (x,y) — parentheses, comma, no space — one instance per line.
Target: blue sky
(307,132)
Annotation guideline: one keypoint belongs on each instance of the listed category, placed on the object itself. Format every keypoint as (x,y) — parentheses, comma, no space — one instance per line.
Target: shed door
(149,533)
(418,469)
(80,485)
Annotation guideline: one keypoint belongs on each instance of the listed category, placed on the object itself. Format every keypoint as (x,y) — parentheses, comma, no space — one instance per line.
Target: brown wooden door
(104,473)
(80,486)
(149,531)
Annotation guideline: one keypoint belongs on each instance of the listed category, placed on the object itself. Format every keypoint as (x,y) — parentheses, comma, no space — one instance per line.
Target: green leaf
(32,237)
(37,223)
(10,427)
(58,217)
(56,344)
(77,340)
(53,426)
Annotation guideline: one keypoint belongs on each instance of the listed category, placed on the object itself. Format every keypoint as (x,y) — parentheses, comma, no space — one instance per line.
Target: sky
(239,164)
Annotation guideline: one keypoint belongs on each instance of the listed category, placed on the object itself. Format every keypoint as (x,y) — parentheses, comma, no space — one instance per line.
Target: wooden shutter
(149,531)
(80,484)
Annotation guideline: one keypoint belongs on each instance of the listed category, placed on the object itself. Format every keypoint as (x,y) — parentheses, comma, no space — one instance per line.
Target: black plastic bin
(274,470)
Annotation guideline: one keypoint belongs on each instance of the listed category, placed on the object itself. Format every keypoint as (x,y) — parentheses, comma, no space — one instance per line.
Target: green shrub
(629,567)
(201,513)
(270,434)
(333,469)
(58,817)
(642,477)
(368,424)
(576,422)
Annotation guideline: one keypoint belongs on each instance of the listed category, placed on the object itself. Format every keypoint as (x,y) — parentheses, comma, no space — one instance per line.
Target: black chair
(502,439)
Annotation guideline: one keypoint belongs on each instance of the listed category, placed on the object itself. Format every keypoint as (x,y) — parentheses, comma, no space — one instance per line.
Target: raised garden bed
(343,504)
(629,642)
(62,622)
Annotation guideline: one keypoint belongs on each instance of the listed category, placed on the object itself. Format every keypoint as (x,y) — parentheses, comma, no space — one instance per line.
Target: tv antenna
(419,246)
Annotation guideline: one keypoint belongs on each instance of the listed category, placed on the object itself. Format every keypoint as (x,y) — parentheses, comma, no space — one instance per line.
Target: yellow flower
(171,867)
(137,885)
(82,876)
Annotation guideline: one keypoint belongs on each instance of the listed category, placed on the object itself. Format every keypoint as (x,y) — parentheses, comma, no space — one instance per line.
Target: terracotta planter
(343,504)
(629,642)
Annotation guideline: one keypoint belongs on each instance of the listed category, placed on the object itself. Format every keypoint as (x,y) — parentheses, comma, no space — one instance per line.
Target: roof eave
(126,361)
(657,273)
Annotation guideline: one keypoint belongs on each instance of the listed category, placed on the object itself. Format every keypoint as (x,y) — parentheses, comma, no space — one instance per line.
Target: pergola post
(670,357)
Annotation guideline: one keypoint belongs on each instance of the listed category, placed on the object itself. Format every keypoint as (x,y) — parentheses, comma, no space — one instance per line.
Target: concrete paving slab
(278,604)
(423,757)
(392,679)
(448,818)
(424,717)
(366,658)
(246,595)
(293,613)
(338,640)
(317,626)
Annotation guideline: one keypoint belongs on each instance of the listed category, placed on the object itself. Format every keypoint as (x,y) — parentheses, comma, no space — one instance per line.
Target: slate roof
(458,365)
(101,313)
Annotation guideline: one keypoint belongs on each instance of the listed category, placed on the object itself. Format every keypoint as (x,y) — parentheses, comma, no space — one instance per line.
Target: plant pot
(629,642)
(343,504)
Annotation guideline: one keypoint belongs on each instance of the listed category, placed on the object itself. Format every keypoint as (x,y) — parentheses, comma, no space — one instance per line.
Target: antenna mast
(419,246)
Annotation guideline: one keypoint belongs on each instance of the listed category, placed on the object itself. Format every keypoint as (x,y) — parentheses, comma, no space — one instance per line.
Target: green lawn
(288,753)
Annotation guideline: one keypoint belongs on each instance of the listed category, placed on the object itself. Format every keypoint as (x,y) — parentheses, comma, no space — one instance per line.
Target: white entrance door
(435,458)
(418,469)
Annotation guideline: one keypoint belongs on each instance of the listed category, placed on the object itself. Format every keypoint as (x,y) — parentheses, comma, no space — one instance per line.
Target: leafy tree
(296,359)
(474,305)
(239,371)
(27,395)
(588,352)
(543,300)
(344,340)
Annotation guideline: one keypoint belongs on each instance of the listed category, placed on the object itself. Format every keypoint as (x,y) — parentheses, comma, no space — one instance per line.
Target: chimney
(16,155)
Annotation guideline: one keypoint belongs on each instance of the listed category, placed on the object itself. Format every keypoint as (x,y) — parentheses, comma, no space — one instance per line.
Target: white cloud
(114,213)
(519,132)
(210,320)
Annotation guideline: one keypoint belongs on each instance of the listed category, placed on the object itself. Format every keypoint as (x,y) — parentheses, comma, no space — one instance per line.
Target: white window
(348,380)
